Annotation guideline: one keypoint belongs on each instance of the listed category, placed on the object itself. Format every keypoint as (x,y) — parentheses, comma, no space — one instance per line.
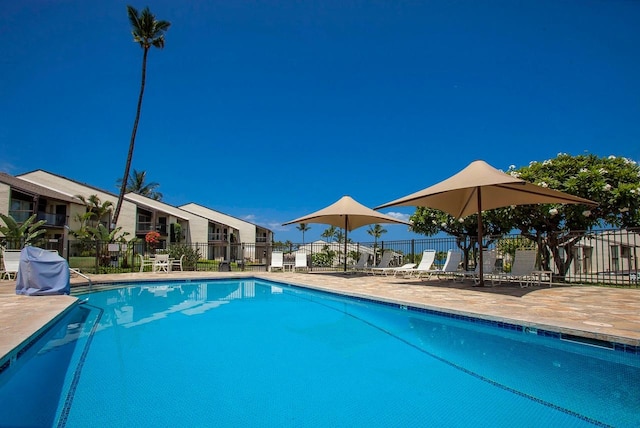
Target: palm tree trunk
(132,142)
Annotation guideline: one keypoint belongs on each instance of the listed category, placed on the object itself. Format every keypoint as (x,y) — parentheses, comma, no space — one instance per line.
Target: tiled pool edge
(13,354)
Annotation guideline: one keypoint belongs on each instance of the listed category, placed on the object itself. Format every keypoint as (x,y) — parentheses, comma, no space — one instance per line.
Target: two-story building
(218,235)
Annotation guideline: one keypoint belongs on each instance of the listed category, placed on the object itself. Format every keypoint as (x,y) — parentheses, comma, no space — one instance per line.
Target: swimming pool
(258,353)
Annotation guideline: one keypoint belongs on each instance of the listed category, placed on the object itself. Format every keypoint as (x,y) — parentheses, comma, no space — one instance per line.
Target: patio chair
(522,269)
(384,262)
(301,262)
(488,267)
(361,263)
(161,263)
(11,261)
(277,261)
(450,267)
(145,262)
(176,263)
(428,257)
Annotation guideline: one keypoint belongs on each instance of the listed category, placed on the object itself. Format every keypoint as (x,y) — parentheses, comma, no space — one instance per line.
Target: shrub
(191,255)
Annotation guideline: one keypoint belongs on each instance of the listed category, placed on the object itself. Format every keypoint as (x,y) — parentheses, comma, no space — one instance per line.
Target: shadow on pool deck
(610,314)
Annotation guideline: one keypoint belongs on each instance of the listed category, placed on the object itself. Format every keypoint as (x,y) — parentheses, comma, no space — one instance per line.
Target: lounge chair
(11,261)
(301,261)
(277,261)
(361,263)
(522,269)
(428,257)
(384,262)
(488,268)
(396,270)
(449,269)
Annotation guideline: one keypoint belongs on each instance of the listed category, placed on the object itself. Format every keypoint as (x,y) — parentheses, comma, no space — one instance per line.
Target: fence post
(413,251)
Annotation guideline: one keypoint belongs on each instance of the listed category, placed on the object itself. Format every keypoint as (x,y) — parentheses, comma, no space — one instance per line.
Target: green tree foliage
(303,227)
(613,182)
(325,258)
(147,31)
(137,184)
(191,255)
(330,233)
(495,223)
(96,210)
(16,236)
(376,231)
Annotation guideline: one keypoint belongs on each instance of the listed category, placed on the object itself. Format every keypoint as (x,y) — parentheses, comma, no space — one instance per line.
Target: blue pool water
(256,353)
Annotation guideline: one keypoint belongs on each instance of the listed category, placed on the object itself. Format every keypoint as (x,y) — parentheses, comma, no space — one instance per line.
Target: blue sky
(269,110)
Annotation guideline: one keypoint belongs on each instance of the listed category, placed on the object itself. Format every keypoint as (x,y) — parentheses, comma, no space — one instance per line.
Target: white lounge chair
(488,268)
(277,261)
(396,270)
(301,261)
(428,257)
(524,264)
(450,266)
(384,262)
(11,261)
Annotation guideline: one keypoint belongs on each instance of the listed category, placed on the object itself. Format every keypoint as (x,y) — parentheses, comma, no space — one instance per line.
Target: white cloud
(399,216)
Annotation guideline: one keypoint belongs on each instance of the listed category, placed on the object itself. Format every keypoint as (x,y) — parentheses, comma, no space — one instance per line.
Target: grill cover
(42,273)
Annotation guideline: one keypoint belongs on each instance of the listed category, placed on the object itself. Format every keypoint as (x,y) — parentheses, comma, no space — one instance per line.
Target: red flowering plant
(153,239)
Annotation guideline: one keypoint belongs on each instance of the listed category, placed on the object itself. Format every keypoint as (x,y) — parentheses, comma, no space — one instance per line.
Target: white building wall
(5,192)
(247,230)
(127,218)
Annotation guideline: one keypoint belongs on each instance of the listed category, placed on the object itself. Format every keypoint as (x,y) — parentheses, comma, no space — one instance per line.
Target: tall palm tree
(303,227)
(147,31)
(136,184)
(376,231)
(329,233)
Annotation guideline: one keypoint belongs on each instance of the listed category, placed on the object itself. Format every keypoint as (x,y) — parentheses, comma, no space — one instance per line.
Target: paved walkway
(610,314)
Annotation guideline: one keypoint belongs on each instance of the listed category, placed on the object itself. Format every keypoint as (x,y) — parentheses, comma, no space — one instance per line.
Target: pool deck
(608,314)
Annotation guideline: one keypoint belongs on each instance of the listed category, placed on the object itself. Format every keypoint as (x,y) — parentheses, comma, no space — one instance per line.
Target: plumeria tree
(612,182)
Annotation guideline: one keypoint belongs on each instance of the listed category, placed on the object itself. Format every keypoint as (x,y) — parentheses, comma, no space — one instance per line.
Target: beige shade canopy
(348,214)
(459,194)
(480,187)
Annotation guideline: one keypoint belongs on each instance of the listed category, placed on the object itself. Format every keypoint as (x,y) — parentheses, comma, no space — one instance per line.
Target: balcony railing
(49,218)
(20,216)
(148,226)
(52,219)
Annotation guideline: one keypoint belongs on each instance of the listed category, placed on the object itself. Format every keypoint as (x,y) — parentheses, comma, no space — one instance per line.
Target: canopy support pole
(480,255)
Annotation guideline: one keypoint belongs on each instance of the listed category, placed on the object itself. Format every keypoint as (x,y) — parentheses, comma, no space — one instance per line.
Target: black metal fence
(603,257)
